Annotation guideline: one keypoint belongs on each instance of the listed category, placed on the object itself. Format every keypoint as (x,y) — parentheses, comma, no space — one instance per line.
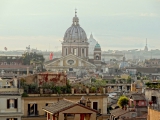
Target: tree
(129,79)
(33,59)
(123,101)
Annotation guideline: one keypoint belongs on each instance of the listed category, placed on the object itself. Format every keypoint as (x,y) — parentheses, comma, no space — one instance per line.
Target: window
(97,57)
(95,105)
(12,103)
(133,114)
(154,99)
(33,109)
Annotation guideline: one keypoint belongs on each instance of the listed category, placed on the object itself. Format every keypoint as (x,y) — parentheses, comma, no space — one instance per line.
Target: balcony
(33,113)
(155,107)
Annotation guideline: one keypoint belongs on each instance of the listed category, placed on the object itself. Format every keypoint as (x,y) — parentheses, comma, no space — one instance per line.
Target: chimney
(88,103)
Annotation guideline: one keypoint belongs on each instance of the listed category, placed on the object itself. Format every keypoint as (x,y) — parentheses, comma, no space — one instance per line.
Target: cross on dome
(75,12)
(75,19)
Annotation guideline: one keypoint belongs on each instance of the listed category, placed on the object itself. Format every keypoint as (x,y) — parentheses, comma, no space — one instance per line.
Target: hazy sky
(115,24)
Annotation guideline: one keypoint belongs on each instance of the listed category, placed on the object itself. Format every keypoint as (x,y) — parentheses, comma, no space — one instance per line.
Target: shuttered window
(8,106)
(16,103)
(12,103)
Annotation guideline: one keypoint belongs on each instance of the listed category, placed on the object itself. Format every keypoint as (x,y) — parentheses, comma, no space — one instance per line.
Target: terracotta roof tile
(62,105)
(56,107)
(137,96)
(119,111)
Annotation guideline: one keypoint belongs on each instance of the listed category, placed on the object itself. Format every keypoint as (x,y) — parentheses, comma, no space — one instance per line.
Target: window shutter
(7,103)
(15,103)
(28,109)
(35,107)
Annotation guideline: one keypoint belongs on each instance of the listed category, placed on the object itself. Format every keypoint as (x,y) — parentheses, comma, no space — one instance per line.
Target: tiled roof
(119,111)
(137,96)
(62,105)
(47,62)
(91,61)
(7,75)
(15,67)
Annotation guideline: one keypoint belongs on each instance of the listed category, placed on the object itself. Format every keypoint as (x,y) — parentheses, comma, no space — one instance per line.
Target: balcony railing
(155,107)
(34,113)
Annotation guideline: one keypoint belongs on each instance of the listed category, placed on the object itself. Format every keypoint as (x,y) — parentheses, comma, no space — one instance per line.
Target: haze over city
(120,24)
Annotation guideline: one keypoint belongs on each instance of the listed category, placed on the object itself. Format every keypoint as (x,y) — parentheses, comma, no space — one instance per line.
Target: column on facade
(84,52)
(72,50)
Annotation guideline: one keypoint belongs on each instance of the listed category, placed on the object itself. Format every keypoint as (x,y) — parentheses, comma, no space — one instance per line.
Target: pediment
(70,60)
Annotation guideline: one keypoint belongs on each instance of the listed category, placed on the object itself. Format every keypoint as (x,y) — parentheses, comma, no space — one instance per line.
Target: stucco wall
(153,114)
(41,101)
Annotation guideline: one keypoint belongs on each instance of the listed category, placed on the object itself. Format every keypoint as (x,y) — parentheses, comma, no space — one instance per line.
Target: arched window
(97,57)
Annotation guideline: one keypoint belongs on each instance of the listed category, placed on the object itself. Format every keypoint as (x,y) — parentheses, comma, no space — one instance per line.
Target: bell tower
(97,56)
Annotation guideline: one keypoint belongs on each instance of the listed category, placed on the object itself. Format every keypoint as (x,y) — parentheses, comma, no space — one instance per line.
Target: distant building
(75,53)
(123,64)
(146,48)
(92,43)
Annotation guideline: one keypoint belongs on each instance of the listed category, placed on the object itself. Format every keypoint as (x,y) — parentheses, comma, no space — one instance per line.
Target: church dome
(75,33)
(92,44)
(97,46)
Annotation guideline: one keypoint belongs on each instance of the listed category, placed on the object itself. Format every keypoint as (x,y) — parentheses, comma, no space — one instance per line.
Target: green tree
(99,83)
(123,101)
(129,79)
(33,59)
(148,84)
